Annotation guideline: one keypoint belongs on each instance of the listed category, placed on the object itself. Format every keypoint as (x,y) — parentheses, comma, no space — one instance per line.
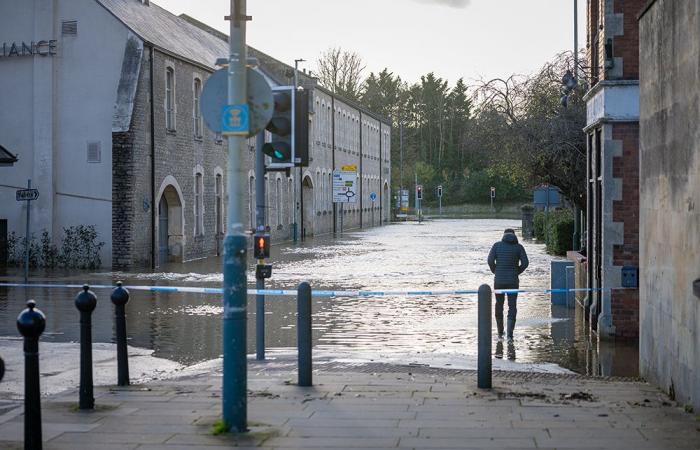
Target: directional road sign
(24,195)
(344,186)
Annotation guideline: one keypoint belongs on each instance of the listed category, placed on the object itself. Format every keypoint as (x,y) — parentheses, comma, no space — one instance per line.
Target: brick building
(612,129)
(113,135)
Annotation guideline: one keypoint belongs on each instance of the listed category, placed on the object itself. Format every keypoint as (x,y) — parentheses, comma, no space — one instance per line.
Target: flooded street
(441,331)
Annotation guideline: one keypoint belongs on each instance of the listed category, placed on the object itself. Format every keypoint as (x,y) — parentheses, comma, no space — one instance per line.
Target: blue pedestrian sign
(235,120)
(373,196)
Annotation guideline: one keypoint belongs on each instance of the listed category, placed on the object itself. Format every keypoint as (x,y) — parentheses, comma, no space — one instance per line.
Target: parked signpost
(344,187)
(27,195)
(373,197)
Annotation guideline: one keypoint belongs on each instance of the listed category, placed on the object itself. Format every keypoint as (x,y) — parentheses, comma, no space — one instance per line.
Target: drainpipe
(362,196)
(153,167)
(381,180)
(335,208)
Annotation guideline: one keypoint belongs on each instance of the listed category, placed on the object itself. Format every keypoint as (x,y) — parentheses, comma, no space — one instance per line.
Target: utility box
(630,277)
(558,280)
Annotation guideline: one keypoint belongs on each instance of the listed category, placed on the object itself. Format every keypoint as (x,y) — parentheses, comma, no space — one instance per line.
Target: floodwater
(438,331)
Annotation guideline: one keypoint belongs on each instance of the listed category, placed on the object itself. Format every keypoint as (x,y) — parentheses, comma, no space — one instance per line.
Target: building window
(219,191)
(170,99)
(197,113)
(198,204)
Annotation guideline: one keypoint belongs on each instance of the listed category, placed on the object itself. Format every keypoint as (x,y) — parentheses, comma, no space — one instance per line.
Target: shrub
(561,230)
(538,223)
(79,249)
(555,229)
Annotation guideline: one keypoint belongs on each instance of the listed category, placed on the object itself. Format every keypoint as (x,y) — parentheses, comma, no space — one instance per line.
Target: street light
(294,206)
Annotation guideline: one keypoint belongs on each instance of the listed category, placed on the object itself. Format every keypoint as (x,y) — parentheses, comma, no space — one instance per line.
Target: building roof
(6,158)
(167,31)
(192,40)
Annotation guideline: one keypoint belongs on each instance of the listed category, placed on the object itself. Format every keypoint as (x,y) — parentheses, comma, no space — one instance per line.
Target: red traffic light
(261,248)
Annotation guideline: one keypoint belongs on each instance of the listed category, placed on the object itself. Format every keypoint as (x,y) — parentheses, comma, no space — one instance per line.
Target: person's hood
(510,238)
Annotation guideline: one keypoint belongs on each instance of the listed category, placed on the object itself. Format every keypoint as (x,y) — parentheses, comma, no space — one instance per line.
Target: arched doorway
(170,226)
(309,213)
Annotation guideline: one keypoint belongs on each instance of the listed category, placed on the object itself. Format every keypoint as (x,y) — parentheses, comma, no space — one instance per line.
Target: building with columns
(106,122)
(612,130)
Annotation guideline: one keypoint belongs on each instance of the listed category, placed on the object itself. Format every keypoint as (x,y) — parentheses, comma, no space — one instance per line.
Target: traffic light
(439,191)
(419,192)
(281,147)
(261,247)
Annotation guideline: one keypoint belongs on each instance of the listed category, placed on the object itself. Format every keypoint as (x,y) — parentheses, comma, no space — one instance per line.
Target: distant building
(669,345)
(104,115)
(612,130)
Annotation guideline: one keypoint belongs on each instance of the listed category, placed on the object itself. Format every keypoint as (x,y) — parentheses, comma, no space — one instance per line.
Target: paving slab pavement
(370,407)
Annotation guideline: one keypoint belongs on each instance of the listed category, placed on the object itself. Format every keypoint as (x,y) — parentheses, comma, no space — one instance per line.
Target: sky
(468,39)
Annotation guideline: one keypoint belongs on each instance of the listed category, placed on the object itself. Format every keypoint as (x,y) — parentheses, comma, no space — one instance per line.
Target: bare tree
(340,71)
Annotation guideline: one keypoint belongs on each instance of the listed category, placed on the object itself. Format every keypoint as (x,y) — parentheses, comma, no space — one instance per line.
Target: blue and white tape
(293,292)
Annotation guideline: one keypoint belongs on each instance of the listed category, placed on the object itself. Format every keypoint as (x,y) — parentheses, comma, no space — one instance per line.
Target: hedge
(556,229)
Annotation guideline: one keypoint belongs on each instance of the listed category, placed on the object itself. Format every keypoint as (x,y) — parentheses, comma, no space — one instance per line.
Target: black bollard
(31,323)
(86,302)
(120,297)
(304,333)
(484,358)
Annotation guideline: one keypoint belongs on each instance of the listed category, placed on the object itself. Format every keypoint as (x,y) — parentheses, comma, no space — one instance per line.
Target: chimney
(145,2)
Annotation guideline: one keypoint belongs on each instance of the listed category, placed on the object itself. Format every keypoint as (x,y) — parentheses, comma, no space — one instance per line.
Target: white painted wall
(55,106)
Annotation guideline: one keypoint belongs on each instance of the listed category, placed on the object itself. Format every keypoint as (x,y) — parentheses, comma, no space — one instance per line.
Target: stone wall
(670,197)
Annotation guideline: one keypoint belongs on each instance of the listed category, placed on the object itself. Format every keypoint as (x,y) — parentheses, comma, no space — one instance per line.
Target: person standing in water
(507,260)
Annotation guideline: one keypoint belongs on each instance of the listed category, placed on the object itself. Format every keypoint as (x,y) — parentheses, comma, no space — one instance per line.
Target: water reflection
(448,254)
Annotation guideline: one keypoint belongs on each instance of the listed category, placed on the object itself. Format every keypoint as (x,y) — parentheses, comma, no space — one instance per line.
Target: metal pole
(341,218)
(297,171)
(26,239)
(484,357)
(86,302)
(234,384)
(31,323)
(304,333)
(576,40)
(440,204)
(401,152)
(260,227)
(120,297)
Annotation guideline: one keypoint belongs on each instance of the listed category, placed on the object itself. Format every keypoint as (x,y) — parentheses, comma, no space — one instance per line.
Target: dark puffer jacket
(507,260)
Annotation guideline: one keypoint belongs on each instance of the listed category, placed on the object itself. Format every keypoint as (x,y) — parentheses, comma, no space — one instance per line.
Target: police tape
(314,293)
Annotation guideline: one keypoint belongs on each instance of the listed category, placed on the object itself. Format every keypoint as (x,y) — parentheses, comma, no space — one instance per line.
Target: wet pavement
(436,331)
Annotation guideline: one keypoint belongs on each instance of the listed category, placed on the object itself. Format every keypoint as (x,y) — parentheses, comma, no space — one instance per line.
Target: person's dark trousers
(512,309)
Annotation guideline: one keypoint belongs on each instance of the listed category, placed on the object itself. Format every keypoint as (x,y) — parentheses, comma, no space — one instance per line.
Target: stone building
(612,130)
(112,134)
(669,344)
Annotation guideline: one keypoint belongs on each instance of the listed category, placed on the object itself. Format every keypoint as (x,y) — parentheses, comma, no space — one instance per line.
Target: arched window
(170,98)
(197,110)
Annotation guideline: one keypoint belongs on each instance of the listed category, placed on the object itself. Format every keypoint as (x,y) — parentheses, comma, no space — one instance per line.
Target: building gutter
(153,161)
(335,208)
(362,197)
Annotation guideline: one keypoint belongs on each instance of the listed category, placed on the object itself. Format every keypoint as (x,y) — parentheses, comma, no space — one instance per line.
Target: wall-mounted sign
(41,48)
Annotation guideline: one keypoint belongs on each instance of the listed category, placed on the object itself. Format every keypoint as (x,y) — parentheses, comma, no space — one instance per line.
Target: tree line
(512,133)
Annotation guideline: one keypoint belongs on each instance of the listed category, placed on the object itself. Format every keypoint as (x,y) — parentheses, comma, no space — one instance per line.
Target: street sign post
(373,197)
(493,196)
(439,195)
(344,188)
(27,195)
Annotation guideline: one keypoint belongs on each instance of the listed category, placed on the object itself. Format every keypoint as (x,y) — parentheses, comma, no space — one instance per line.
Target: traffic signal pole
(260,228)
(234,384)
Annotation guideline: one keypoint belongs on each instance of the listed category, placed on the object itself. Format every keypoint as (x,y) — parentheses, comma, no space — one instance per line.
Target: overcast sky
(453,38)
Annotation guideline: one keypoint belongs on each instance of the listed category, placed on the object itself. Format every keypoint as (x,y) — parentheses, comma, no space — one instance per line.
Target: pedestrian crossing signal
(261,248)
(419,192)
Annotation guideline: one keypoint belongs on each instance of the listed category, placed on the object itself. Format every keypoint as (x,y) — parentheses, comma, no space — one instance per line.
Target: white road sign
(344,186)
